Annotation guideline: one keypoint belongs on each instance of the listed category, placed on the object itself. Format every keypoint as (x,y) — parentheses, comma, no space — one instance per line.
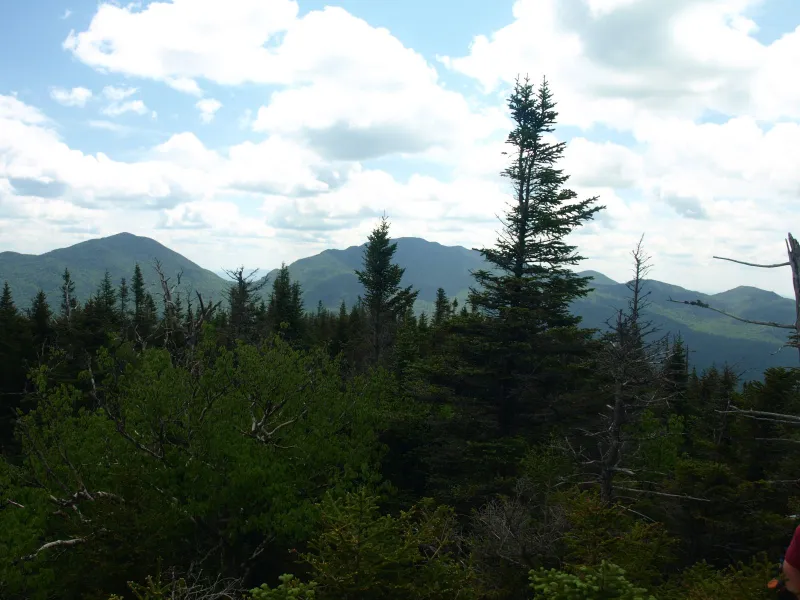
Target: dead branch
(702,304)
(784,418)
(54,544)
(664,494)
(749,264)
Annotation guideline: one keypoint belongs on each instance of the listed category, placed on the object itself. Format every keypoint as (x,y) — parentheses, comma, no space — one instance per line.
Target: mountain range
(329,278)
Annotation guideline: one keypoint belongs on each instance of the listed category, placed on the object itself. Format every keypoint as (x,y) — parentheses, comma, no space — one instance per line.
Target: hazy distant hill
(329,277)
(712,338)
(88,261)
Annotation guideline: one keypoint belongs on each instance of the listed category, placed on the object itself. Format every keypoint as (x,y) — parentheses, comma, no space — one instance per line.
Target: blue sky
(681,116)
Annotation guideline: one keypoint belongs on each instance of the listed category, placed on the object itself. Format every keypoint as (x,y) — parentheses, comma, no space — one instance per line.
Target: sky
(255,132)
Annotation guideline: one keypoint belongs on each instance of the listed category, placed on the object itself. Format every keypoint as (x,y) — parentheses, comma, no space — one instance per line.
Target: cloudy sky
(259,131)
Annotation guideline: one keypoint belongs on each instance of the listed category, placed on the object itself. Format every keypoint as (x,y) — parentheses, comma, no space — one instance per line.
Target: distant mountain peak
(121,235)
(598,278)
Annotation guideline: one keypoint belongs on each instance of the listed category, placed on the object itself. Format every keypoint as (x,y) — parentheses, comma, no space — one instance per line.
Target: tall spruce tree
(531,282)
(385,301)
(525,297)
(507,365)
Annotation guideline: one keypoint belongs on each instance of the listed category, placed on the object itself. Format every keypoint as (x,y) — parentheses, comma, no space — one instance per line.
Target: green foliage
(290,588)
(611,533)
(236,450)
(742,581)
(602,582)
(363,554)
(661,442)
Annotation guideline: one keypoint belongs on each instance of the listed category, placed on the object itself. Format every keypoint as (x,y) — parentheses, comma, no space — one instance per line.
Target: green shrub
(289,588)
(605,581)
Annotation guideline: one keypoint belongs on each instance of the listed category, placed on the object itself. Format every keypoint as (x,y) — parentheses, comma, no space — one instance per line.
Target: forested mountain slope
(88,261)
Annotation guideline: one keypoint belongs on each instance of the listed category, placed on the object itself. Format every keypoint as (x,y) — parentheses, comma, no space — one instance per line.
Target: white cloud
(77,96)
(183,40)
(117,94)
(380,97)
(14,110)
(66,15)
(222,218)
(619,61)
(208,108)
(185,85)
(118,103)
(120,108)
(179,170)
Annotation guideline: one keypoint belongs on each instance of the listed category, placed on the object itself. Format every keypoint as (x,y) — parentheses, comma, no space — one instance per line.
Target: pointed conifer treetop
(384,300)
(531,258)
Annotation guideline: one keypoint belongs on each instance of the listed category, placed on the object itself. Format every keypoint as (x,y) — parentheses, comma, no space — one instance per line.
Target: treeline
(160,445)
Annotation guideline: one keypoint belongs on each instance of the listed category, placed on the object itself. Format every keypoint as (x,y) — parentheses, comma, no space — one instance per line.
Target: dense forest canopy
(161,445)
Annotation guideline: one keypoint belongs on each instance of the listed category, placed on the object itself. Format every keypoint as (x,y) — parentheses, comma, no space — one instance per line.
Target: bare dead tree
(518,529)
(171,297)
(793,251)
(203,315)
(193,585)
(632,359)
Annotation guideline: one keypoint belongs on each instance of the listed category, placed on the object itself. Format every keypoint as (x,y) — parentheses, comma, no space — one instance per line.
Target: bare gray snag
(633,360)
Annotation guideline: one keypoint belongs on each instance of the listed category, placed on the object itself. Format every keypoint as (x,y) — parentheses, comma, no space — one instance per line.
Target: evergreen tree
(8,310)
(138,293)
(531,282)
(41,320)
(106,300)
(13,348)
(124,298)
(285,309)
(340,335)
(676,377)
(243,304)
(514,347)
(443,308)
(68,301)
(384,300)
